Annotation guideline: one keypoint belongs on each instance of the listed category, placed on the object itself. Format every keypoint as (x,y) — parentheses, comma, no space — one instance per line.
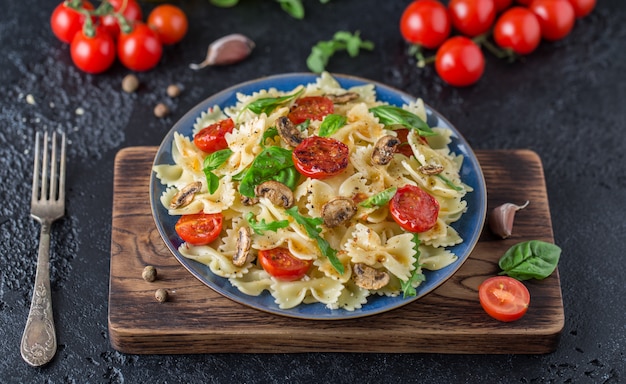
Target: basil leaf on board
(268,104)
(331,124)
(268,165)
(392,115)
(533,259)
(260,227)
(407,286)
(313,229)
(212,162)
(379,199)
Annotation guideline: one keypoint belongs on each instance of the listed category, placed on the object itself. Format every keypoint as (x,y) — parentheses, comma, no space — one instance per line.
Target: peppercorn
(149,273)
(173,90)
(161,295)
(161,110)
(130,83)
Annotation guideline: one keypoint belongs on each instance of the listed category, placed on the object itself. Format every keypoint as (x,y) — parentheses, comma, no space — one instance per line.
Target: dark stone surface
(565,101)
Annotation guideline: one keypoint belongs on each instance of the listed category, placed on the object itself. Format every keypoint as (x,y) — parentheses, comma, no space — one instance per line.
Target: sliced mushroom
(278,193)
(367,277)
(245,200)
(431,169)
(288,131)
(338,211)
(244,241)
(384,149)
(344,97)
(185,195)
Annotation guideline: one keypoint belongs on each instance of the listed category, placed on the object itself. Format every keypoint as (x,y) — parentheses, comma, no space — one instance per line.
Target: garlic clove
(226,50)
(501,218)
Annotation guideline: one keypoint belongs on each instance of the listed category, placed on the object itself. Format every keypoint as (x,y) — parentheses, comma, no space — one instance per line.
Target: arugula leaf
(342,41)
(392,115)
(271,164)
(313,229)
(224,3)
(379,199)
(331,124)
(293,7)
(268,104)
(407,286)
(212,162)
(260,227)
(270,133)
(533,259)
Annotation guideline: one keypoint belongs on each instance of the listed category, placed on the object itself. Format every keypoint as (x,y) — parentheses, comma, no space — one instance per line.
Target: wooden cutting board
(449,320)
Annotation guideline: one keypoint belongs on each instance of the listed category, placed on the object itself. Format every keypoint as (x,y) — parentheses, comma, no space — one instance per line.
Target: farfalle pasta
(342,225)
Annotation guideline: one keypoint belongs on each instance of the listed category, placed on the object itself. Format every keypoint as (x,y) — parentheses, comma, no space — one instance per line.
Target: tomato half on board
(211,138)
(504,298)
(320,157)
(414,209)
(199,228)
(281,264)
(310,108)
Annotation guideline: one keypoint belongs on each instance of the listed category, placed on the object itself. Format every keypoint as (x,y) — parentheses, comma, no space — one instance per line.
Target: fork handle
(39,343)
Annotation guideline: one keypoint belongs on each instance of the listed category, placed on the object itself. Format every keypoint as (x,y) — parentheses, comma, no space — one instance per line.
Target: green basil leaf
(331,124)
(288,176)
(212,181)
(379,199)
(313,229)
(216,159)
(224,3)
(534,259)
(293,7)
(416,276)
(270,133)
(390,115)
(266,166)
(260,227)
(342,40)
(268,104)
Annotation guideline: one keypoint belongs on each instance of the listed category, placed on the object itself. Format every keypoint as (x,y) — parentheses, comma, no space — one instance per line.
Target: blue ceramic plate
(469,226)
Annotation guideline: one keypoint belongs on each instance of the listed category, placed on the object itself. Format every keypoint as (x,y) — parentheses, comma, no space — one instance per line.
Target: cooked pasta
(369,241)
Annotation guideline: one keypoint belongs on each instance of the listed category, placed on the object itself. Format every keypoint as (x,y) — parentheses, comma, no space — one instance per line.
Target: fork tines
(49,160)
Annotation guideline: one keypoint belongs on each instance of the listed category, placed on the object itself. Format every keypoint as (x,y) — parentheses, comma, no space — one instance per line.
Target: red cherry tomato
(501,5)
(556,18)
(504,298)
(211,138)
(459,61)
(169,22)
(140,49)
(93,54)
(131,12)
(66,21)
(425,22)
(310,108)
(281,264)
(404,147)
(519,30)
(320,157)
(582,7)
(414,209)
(472,17)
(199,228)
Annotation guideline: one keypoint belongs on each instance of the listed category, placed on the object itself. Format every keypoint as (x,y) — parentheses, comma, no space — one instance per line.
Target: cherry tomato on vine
(501,5)
(211,138)
(320,157)
(132,12)
(472,17)
(140,49)
(504,298)
(93,54)
(414,209)
(310,108)
(556,18)
(459,61)
(66,21)
(169,22)
(281,264)
(582,7)
(518,29)
(199,228)
(425,22)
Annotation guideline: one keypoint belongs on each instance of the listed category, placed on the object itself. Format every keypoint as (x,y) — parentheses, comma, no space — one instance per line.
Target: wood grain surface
(449,320)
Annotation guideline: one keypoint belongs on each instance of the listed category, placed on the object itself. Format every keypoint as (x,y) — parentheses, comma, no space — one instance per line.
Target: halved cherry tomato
(139,49)
(518,29)
(66,21)
(425,22)
(459,61)
(169,22)
(281,264)
(582,7)
(472,17)
(414,209)
(504,298)
(199,228)
(131,12)
(211,138)
(93,54)
(320,157)
(311,108)
(556,18)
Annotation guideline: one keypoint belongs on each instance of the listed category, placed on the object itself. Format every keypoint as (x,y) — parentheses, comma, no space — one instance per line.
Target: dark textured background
(566,101)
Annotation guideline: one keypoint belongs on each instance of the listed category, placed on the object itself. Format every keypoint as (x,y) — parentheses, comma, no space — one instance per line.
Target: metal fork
(39,343)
